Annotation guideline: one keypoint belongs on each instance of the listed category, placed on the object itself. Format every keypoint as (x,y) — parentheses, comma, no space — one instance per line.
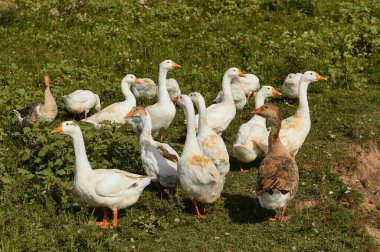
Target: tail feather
(19,117)
(244,153)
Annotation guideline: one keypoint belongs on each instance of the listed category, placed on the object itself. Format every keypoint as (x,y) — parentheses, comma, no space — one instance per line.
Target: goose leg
(85,114)
(271,219)
(199,215)
(283,218)
(105,218)
(248,96)
(241,113)
(242,168)
(114,221)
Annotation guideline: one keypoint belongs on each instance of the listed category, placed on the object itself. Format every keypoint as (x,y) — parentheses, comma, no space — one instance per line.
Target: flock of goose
(202,168)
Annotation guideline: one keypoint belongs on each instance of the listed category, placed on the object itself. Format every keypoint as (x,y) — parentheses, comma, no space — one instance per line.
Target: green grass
(93,44)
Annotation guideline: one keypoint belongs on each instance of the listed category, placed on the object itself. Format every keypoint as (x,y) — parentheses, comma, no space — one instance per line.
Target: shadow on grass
(243,209)
(235,166)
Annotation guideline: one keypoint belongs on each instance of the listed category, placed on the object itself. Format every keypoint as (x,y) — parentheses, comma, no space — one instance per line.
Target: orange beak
(130,114)
(275,92)
(256,111)
(46,80)
(174,101)
(175,65)
(137,81)
(241,74)
(319,77)
(58,129)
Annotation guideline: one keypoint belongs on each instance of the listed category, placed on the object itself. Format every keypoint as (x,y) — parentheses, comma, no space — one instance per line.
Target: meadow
(94,44)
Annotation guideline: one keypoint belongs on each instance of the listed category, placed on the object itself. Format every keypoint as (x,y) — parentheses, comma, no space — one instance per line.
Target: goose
(108,188)
(173,89)
(277,179)
(295,129)
(42,112)
(290,86)
(115,112)
(198,175)
(238,95)
(220,115)
(252,138)
(211,144)
(159,159)
(162,113)
(81,101)
(147,89)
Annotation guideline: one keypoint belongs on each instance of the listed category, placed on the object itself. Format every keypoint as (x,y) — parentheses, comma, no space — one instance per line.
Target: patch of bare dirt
(374,232)
(306,204)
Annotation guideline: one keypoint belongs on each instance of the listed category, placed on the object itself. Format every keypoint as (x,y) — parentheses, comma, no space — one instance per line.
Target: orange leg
(283,218)
(248,96)
(204,208)
(114,221)
(103,223)
(162,137)
(241,114)
(293,156)
(85,115)
(199,215)
(242,167)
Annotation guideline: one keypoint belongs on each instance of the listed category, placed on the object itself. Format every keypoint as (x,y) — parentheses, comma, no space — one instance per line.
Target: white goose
(211,144)
(220,115)
(116,112)
(173,89)
(159,159)
(147,89)
(238,95)
(249,83)
(294,129)
(290,86)
(42,112)
(252,137)
(107,188)
(81,101)
(162,112)
(197,173)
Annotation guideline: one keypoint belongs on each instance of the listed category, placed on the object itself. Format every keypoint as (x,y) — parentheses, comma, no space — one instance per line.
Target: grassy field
(93,44)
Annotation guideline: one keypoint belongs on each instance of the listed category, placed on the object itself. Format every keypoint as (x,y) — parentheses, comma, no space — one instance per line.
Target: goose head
(311,76)
(184,101)
(129,79)
(269,112)
(168,65)
(195,96)
(67,128)
(138,111)
(145,82)
(268,91)
(234,72)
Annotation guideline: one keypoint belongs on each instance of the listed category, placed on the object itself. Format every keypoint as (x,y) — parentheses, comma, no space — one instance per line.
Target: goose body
(81,101)
(291,84)
(108,188)
(197,173)
(295,129)
(237,94)
(116,112)
(211,144)
(173,89)
(220,115)
(249,83)
(252,137)
(159,159)
(41,112)
(277,179)
(147,89)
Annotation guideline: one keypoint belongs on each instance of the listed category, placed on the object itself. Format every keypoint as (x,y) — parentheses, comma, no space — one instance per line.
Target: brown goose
(277,180)
(43,112)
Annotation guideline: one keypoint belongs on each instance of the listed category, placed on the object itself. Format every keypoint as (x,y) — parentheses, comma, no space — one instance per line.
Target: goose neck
(202,123)
(163,95)
(226,86)
(81,162)
(191,144)
(146,134)
(49,100)
(303,107)
(274,141)
(125,89)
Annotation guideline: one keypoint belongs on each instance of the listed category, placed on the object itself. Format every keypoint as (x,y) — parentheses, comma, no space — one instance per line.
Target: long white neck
(191,143)
(259,101)
(81,162)
(303,106)
(226,86)
(163,95)
(127,93)
(202,123)
(146,134)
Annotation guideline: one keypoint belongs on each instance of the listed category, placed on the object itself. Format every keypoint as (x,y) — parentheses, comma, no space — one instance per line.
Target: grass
(94,44)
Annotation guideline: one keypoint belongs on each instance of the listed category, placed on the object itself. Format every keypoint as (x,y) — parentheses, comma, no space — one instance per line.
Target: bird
(81,101)
(159,159)
(146,89)
(108,188)
(41,112)
(198,175)
(277,179)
